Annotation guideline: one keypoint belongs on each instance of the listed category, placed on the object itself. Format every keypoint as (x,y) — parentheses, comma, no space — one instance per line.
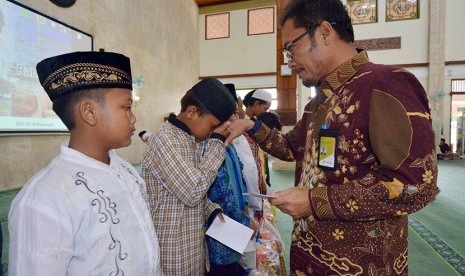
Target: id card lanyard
(327,155)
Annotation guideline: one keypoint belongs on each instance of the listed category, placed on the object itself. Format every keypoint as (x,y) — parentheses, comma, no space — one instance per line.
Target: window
(260,21)
(217,26)
(458,85)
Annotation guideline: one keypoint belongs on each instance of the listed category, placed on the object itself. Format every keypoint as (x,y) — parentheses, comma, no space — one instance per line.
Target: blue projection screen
(27,37)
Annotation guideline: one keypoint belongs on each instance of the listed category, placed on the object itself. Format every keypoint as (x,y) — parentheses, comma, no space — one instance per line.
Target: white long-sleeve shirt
(78,216)
(249,171)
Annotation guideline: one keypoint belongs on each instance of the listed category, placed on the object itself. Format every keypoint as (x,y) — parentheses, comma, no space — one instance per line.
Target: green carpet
(440,226)
(436,233)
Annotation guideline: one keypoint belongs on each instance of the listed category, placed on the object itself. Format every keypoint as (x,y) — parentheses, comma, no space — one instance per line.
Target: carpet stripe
(449,255)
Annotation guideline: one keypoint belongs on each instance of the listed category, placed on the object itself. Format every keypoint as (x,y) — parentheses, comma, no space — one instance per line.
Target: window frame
(216,14)
(248,21)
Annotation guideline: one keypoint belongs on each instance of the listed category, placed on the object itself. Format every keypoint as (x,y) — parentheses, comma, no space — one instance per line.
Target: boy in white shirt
(86,212)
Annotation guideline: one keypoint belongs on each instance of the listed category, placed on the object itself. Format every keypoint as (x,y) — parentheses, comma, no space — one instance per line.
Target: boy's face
(236,115)
(260,108)
(202,125)
(116,120)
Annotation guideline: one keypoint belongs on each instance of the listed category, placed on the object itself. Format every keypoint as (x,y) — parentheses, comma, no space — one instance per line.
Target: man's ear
(192,111)
(87,110)
(327,31)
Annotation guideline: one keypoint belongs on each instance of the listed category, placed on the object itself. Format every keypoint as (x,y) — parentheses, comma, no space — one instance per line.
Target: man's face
(309,58)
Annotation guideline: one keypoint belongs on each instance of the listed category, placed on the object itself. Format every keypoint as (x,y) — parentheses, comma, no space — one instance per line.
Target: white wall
(413,33)
(240,53)
(226,56)
(161,39)
(455,30)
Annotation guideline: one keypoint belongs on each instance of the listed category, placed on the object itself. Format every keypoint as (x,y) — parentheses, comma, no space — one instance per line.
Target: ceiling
(204,3)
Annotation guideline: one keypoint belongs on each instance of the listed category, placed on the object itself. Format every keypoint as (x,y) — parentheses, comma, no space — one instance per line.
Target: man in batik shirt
(364,148)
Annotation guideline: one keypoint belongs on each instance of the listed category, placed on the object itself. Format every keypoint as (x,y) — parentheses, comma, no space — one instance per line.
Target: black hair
(250,101)
(271,120)
(191,99)
(64,105)
(308,13)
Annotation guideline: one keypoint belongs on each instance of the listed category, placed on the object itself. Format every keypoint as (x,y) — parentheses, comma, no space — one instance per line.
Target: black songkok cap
(66,73)
(232,90)
(215,97)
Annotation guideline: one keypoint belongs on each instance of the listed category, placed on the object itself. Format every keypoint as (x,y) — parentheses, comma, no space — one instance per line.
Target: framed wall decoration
(260,21)
(402,10)
(217,26)
(362,11)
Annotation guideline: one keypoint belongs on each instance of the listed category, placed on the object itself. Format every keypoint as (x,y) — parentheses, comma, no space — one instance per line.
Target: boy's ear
(87,111)
(192,111)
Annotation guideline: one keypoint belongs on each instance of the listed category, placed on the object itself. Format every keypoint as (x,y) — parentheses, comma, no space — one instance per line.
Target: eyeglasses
(287,51)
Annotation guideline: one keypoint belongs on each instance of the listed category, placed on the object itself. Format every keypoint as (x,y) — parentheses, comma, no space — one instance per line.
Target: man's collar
(345,71)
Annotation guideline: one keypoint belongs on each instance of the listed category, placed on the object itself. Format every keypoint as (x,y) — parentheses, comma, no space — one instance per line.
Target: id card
(327,157)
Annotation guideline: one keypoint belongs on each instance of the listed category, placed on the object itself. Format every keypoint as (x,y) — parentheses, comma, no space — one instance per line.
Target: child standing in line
(257,102)
(249,168)
(86,213)
(179,172)
(272,121)
(227,191)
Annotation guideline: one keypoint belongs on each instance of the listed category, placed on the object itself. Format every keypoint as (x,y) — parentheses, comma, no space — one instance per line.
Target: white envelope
(230,233)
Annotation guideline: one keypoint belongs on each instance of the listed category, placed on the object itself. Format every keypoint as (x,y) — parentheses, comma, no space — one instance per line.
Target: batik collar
(345,71)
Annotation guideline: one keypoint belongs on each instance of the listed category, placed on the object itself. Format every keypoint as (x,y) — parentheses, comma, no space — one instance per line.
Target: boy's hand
(240,106)
(223,129)
(220,216)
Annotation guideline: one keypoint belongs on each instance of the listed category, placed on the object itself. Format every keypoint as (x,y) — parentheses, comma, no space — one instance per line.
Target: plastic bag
(269,245)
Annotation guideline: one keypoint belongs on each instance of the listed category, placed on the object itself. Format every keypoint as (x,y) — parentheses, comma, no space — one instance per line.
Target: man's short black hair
(307,13)
(65,104)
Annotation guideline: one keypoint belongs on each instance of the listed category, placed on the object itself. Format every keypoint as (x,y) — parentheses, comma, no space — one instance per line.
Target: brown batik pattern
(386,169)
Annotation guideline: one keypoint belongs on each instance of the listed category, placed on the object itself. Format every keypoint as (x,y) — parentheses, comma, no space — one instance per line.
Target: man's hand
(293,201)
(237,128)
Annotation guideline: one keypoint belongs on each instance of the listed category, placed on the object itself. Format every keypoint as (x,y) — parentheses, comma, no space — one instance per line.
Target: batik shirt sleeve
(386,159)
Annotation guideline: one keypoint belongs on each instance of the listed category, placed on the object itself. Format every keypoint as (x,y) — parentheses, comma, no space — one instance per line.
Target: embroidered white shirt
(78,216)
